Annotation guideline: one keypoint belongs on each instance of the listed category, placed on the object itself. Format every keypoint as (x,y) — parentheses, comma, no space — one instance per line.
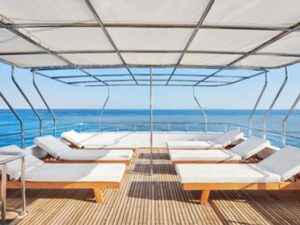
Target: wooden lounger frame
(206,188)
(95,186)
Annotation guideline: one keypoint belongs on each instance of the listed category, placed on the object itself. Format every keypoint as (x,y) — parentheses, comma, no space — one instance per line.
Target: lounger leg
(98,195)
(204,197)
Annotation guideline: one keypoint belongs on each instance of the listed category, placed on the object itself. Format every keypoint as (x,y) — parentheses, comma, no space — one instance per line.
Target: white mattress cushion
(192,145)
(285,162)
(225,173)
(77,172)
(228,138)
(14,167)
(250,147)
(208,155)
(110,145)
(75,138)
(52,145)
(97,155)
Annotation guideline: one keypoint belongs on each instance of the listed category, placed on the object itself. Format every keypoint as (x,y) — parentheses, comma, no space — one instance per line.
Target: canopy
(220,34)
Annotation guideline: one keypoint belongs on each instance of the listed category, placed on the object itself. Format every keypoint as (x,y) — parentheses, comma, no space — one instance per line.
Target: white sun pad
(90,172)
(225,173)
(97,155)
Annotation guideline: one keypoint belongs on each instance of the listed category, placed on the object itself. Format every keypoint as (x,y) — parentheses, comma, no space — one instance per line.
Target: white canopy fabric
(134,33)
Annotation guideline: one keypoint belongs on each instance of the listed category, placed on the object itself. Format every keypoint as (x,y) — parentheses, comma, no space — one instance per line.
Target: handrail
(17,116)
(201,108)
(27,100)
(257,102)
(103,107)
(45,102)
(273,103)
(286,118)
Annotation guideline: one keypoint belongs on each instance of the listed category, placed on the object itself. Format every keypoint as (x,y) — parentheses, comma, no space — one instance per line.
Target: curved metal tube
(45,102)
(103,107)
(27,100)
(257,102)
(286,118)
(17,116)
(200,107)
(273,103)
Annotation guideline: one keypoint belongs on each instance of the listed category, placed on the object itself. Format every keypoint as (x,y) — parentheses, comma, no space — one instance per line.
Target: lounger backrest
(51,145)
(285,162)
(228,138)
(14,167)
(73,137)
(250,147)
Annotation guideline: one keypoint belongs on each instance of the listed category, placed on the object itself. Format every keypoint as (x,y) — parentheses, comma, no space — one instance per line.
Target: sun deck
(156,199)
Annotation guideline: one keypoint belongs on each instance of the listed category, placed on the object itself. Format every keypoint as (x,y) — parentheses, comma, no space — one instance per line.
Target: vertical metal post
(151,125)
(24,211)
(201,108)
(17,116)
(3,193)
(257,102)
(45,102)
(286,118)
(103,107)
(26,98)
(273,103)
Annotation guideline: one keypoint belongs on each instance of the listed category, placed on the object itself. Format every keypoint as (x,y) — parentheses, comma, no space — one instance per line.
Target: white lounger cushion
(51,145)
(208,155)
(76,138)
(97,155)
(250,147)
(14,167)
(225,173)
(77,172)
(94,144)
(192,145)
(285,162)
(218,143)
(228,138)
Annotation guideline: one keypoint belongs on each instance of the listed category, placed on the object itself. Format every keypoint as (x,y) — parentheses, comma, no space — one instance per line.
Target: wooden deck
(156,200)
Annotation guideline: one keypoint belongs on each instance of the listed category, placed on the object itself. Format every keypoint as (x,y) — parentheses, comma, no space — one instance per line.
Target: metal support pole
(151,125)
(286,118)
(103,107)
(26,98)
(3,193)
(257,102)
(17,116)
(24,210)
(201,108)
(45,102)
(273,103)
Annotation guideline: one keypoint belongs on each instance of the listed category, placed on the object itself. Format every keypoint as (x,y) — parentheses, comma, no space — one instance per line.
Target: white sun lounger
(240,152)
(95,141)
(271,173)
(63,153)
(220,142)
(40,175)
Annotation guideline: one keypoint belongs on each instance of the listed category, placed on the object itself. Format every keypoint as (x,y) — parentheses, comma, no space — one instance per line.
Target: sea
(87,120)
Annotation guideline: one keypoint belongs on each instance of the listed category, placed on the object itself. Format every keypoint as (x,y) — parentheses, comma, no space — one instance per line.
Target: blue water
(163,119)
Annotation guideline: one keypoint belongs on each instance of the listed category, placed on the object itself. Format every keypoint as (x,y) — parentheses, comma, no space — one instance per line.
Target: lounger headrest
(285,162)
(250,147)
(74,137)
(14,167)
(51,145)
(228,138)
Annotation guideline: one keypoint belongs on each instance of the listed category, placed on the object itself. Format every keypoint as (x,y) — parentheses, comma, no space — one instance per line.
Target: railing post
(45,102)
(286,118)
(257,102)
(18,118)
(151,124)
(27,99)
(103,107)
(273,103)
(201,108)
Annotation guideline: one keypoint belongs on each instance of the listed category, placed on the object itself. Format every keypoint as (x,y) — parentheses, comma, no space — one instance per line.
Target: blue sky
(238,96)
